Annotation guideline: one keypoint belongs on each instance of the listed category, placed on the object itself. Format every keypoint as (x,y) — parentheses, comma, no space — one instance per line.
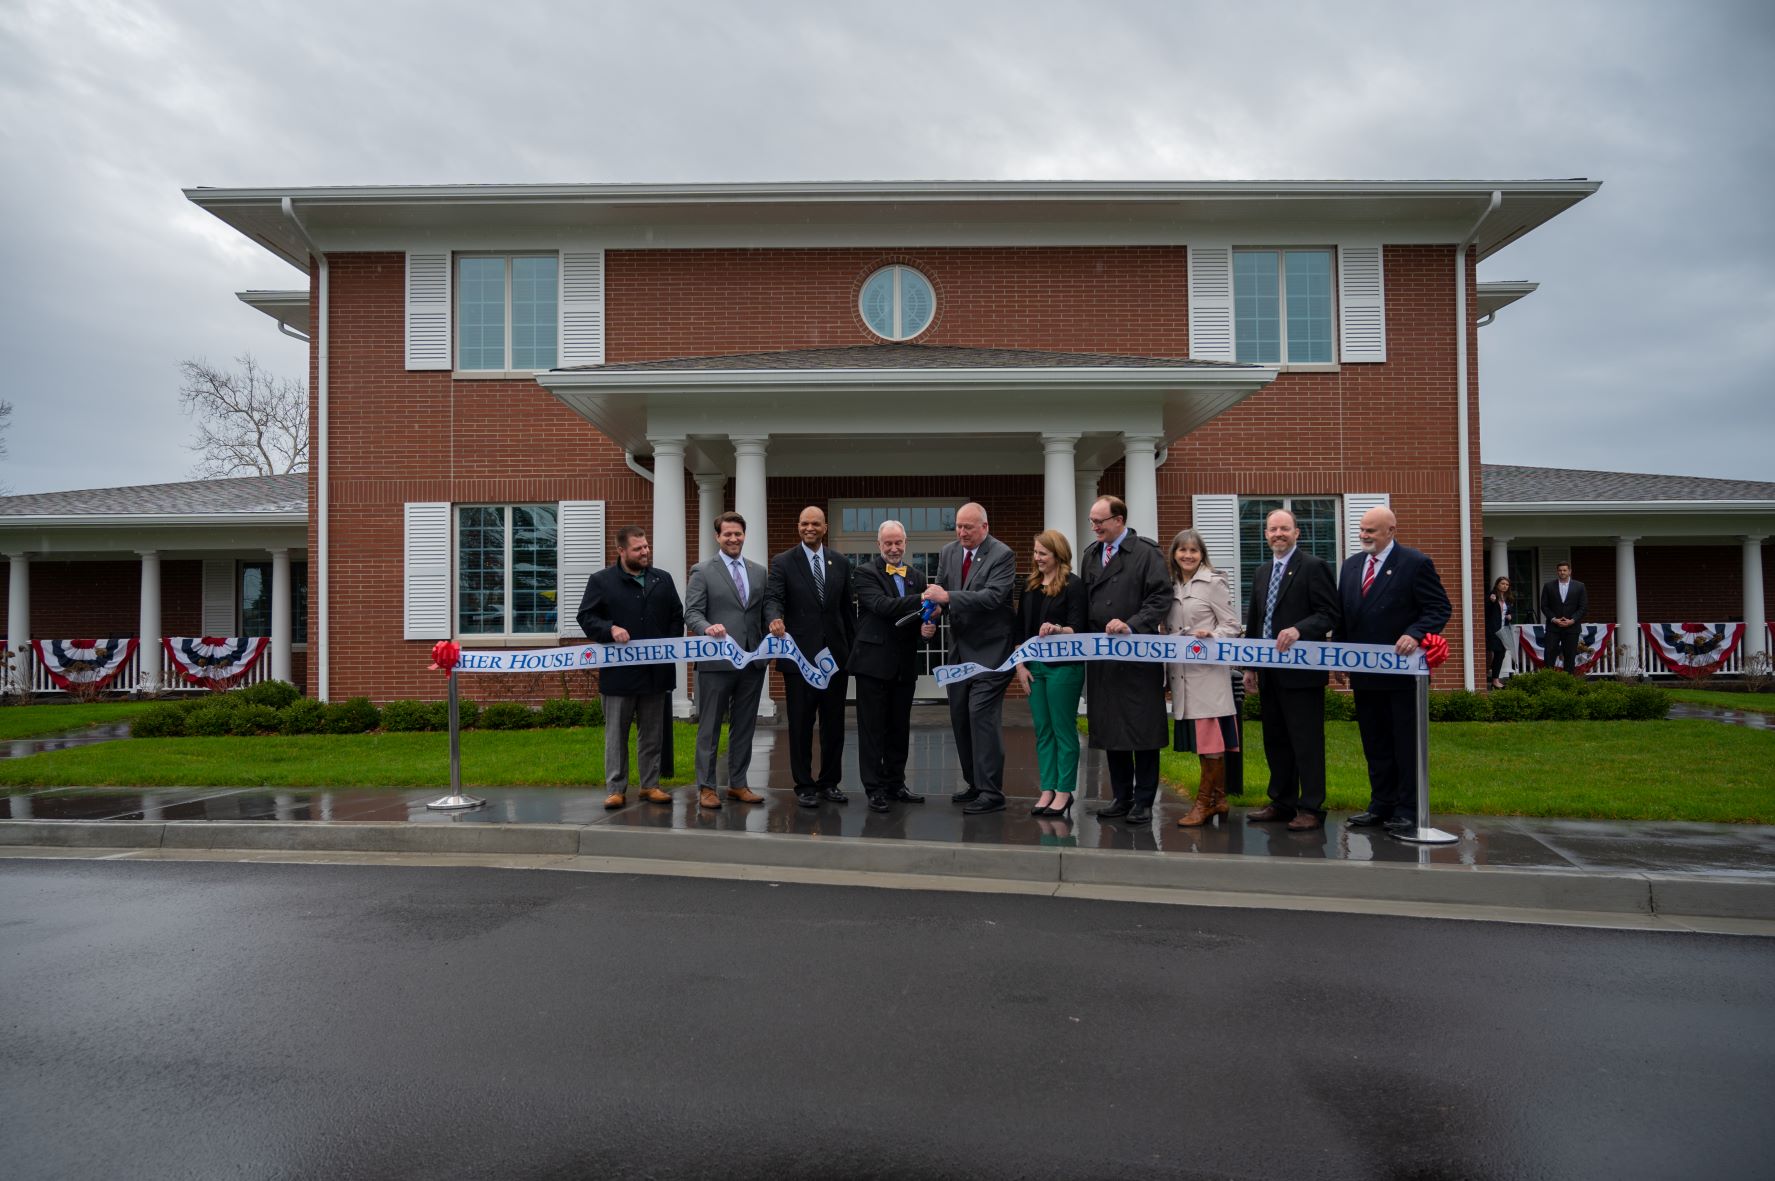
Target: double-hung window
(505,570)
(1316,516)
(1282,306)
(507,311)
(254,598)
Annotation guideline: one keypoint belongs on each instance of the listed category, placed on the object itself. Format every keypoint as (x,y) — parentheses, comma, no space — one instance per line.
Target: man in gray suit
(725,599)
(975,574)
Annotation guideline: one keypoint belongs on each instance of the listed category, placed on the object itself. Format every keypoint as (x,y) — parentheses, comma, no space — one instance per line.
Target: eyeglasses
(1101,521)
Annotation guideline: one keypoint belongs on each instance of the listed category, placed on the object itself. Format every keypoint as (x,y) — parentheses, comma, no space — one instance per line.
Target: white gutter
(1465,434)
(322,534)
(628,457)
(288,331)
(1541,508)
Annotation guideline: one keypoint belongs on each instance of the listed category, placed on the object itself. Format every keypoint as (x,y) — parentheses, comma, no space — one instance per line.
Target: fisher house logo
(1196,650)
(588,656)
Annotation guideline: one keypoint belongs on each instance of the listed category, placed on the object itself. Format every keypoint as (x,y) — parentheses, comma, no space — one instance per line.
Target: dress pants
(1133,775)
(1294,745)
(1494,659)
(1054,707)
(884,730)
(1388,722)
(805,706)
(976,709)
(647,712)
(1562,645)
(717,695)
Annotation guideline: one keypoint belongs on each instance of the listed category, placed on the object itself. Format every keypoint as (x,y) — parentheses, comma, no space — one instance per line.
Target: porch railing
(1651,664)
(129,678)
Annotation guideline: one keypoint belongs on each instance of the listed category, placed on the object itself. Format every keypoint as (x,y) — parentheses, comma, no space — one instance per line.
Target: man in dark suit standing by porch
(808,598)
(1293,598)
(884,660)
(1391,594)
(1564,603)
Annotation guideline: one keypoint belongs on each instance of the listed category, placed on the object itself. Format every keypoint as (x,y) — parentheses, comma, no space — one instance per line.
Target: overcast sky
(1649,347)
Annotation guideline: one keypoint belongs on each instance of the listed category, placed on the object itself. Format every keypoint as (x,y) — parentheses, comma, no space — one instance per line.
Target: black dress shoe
(1400,824)
(908,797)
(1119,808)
(1141,814)
(807,799)
(1365,820)
(984,804)
(835,794)
(965,795)
(879,803)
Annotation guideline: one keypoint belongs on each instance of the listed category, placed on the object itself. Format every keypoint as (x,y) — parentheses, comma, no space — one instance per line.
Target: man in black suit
(1391,594)
(1564,603)
(808,598)
(630,600)
(1293,598)
(884,660)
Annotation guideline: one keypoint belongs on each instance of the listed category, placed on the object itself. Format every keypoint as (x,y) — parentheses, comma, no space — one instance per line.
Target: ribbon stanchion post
(444,658)
(1435,650)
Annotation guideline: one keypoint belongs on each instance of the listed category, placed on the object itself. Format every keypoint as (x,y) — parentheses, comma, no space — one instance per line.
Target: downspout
(1465,435)
(628,457)
(288,331)
(322,665)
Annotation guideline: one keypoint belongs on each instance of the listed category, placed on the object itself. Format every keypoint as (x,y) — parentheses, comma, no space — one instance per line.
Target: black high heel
(1062,812)
(1042,810)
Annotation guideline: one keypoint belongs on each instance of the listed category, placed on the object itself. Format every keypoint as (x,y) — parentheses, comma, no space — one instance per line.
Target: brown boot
(1210,795)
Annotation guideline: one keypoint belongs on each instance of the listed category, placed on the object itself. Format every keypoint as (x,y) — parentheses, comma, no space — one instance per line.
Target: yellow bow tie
(899,570)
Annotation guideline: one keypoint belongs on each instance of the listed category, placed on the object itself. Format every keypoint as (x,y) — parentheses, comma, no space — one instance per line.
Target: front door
(930,525)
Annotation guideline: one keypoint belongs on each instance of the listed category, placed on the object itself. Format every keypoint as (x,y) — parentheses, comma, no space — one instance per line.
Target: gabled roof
(906,356)
(238,495)
(1506,485)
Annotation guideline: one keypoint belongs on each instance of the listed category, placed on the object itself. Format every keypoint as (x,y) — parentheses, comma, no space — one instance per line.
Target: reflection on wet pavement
(19,748)
(1748,718)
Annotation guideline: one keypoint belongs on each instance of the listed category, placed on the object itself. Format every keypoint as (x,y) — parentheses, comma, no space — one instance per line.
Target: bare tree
(249,422)
(5,425)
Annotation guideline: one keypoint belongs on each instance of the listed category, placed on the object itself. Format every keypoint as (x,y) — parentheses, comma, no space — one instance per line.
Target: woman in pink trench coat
(1201,694)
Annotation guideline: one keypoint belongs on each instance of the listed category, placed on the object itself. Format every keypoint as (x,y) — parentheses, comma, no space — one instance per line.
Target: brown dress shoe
(615,799)
(744,795)
(707,798)
(1266,813)
(1305,822)
(654,795)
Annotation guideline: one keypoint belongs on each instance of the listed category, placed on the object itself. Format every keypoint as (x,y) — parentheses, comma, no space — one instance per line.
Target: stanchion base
(456,803)
(1426,836)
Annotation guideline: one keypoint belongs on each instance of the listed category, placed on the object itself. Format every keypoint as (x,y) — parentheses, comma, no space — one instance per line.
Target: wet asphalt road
(218,1020)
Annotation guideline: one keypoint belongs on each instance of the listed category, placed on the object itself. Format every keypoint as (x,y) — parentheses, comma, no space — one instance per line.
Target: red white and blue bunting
(82,663)
(215,662)
(1692,649)
(1594,640)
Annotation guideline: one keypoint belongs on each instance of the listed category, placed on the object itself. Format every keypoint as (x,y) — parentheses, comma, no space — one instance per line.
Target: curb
(1602,892)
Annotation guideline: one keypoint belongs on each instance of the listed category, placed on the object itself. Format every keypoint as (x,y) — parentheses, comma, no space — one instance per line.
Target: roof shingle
(238,494)
(909,356)
(1507,484)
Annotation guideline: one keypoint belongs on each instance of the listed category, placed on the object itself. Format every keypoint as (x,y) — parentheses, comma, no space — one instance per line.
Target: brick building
(503,375)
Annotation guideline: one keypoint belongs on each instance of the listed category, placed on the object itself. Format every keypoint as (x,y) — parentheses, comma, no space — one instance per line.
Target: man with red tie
(1391,595)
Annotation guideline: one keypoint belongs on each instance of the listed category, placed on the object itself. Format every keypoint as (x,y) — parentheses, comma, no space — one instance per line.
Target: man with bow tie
(1391,595)
(808,597)
(884,660)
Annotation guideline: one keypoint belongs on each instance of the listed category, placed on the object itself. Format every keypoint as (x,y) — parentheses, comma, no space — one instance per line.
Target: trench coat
(1201,690)
(1125,700)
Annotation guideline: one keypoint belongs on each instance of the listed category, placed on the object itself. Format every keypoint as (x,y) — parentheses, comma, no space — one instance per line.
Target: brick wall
(1675,583)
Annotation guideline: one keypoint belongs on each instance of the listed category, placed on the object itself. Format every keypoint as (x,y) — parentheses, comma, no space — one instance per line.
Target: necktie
(1109,551)
(738,570)
(1368,576)
(1269,600)
(897,571)
(967,564)
(820,578)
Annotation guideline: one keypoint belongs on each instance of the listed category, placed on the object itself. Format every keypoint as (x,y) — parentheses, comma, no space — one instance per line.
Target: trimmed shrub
(1253,708)
(1462,706)
(1606,703)
(211,721)
(275,694)
(408,715)
(468,714)
(1647,703)
(160,721)
(1557,707)
(562,712)
(1547,680)
(353,716)
(595,712)
(1339,707)
(507,715)
(1511,705)
(302,716)
(252,719)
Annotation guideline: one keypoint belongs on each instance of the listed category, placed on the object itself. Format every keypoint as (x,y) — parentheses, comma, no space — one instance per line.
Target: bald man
(808,597)
(1391,595)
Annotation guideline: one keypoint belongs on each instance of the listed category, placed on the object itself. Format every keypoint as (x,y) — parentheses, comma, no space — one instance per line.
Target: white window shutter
(1361,304)
(218,597)
(580,554)
(425,573)
(428,309)
(1211,302)
(1355,504)
(1216,518)
(582,307)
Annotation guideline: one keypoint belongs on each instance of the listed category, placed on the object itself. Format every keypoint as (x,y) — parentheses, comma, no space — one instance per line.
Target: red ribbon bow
(1435,650)
(444,655)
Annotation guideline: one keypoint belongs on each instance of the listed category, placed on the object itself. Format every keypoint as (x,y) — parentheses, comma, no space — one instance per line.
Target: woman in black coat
(1497,617)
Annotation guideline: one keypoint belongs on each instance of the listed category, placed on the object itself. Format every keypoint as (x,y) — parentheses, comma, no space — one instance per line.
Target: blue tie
(1269,600)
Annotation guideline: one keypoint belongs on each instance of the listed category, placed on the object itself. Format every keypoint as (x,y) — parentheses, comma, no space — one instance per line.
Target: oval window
(897,303)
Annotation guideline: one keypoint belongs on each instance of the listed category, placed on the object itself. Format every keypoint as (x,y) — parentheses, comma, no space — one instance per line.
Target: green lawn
(1678,770)
(490,758)
(1762,703)
(35,721)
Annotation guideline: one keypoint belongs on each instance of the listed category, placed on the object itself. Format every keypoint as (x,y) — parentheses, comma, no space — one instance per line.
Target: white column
(1755,619)
(1142,482)
(1500,559)
(1626,606)
(668,532)
(1085,492)
(749,476)
(18,618)
(282,629)
(708,507)
(1059,511)
(148,624)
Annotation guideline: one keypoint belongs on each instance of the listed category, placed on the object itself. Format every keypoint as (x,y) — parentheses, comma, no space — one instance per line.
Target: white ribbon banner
(1303,655)
(665,650)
